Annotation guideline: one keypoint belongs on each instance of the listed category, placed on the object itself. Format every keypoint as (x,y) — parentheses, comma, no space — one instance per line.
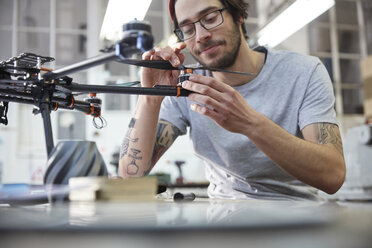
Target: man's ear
(240,20)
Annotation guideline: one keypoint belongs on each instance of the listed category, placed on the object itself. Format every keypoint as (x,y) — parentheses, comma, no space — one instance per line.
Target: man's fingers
(147,55)
(179,46)
(156,57)
(207,101)
(209,112)
(211,82)
(182,57)
(173,55)
(169,55)
(203,90)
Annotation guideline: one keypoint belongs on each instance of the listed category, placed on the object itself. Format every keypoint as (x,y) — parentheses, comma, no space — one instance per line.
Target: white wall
(298,42)
(22,146)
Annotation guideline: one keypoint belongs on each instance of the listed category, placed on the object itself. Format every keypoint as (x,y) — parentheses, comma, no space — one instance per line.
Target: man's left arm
(328,135)
(316,160)
(324,133)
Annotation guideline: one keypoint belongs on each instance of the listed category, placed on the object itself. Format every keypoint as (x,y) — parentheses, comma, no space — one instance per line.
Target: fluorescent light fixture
(119,12)
(292,19)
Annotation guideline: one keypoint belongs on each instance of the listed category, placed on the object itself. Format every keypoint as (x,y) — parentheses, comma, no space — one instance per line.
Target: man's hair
(236,8)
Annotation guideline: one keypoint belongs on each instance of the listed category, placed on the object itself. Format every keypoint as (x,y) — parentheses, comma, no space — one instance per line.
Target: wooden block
(104,189)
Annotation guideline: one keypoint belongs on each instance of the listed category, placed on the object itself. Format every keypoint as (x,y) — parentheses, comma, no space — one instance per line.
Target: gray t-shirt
(293,91)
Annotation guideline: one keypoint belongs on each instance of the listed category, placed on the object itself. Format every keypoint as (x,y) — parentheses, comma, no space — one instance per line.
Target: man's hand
(220,102)
(151,77)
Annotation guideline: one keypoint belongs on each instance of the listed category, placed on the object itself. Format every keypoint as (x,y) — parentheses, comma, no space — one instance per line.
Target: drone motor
(136,39)
(95,106)
(185,75)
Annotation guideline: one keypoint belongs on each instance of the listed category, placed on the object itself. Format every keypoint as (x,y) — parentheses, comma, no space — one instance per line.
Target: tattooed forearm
(166,134)
(328,133)
(157,153)
(125,145)
(132,168)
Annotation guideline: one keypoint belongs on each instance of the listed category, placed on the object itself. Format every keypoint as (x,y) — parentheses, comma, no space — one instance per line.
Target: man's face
(214,48)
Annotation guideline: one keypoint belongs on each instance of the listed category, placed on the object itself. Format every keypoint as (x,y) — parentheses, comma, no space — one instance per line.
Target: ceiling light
(292,19)
(119,12)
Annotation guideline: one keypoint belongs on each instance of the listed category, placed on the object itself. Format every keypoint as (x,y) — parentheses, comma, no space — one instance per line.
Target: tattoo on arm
(328,133)
(132,168)
(125,145)
(166,134)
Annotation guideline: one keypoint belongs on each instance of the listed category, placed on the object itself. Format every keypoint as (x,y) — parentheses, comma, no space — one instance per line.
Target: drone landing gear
(4,112)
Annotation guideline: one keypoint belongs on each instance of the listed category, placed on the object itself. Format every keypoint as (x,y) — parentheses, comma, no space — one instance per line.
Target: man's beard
(228,57)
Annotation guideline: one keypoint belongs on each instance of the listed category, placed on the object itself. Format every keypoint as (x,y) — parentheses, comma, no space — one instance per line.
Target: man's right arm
(146,140)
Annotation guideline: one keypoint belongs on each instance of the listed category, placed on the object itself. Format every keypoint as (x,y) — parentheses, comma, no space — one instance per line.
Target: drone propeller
(155,64)
(166,65)
(107,57)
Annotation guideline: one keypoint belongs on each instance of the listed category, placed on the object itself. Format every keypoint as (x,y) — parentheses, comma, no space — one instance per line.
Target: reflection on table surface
(279,223)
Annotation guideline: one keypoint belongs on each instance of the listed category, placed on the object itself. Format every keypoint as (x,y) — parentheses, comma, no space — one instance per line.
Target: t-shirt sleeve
(174,110)
(319,100)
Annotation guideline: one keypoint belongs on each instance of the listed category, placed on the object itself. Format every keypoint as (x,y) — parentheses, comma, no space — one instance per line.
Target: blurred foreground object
(104,189)
(74,159)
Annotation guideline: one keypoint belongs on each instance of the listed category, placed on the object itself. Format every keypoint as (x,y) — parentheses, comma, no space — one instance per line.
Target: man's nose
(201,33)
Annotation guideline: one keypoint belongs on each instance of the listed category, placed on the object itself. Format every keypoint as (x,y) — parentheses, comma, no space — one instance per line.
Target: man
(271,135)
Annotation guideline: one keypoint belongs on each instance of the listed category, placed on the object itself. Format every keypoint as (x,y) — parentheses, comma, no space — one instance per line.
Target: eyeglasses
(209,21)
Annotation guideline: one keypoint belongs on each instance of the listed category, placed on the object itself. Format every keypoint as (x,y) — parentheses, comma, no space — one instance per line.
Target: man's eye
(210,18)
(187,29)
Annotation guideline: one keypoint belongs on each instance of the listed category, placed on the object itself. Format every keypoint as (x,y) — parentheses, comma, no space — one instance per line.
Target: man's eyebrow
(200,13)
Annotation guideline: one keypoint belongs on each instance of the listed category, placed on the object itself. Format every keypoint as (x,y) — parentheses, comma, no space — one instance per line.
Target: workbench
(199,223)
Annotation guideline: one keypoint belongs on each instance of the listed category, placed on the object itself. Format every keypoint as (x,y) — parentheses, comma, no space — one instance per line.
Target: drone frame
(31,87)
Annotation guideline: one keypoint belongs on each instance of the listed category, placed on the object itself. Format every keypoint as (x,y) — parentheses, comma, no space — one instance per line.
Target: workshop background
(71,31)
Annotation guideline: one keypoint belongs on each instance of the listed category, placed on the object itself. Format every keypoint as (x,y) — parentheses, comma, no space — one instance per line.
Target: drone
(24,79)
